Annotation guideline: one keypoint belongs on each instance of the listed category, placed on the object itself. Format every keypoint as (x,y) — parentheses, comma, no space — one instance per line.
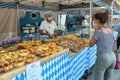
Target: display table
(80,62)
(60,66)
(91,56)
(77,65)
(53,67)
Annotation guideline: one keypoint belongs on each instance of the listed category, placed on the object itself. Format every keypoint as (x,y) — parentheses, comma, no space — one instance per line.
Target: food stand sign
(33,71)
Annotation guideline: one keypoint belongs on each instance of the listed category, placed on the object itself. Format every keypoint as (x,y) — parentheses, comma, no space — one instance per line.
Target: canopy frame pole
(112,11)
(18,17)
(90,25)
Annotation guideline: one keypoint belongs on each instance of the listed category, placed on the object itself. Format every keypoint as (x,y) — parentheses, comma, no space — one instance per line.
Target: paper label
(33,71)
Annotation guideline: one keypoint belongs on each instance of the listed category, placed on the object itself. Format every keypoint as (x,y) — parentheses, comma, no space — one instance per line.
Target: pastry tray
(17,71)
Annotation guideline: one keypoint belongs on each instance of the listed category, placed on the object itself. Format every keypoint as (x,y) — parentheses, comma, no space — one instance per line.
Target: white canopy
(8,16)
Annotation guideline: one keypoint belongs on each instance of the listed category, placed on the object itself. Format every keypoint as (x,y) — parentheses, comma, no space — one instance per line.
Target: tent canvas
(9,16)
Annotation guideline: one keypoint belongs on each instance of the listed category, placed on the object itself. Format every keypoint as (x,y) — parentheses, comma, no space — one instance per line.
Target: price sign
(33,71)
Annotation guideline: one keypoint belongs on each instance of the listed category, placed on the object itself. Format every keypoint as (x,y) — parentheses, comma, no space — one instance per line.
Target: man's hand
(51,35)
(43,32)
(55,32)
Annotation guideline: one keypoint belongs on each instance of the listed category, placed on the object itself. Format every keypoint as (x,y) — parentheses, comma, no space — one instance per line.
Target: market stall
(55,65)
(63,58)
(66,69)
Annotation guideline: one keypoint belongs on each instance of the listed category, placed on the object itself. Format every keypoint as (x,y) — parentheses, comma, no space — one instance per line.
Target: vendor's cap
(87,16)
(115,16)
(48,13)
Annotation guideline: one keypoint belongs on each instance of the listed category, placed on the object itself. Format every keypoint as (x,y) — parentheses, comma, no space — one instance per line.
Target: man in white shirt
(48,26)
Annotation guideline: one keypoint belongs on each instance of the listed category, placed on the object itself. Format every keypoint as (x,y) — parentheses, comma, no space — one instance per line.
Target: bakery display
(20,61)
(31,58)
(23,53)
(46,49)
(15,59)
(27,45)
(11,48)
(72,42)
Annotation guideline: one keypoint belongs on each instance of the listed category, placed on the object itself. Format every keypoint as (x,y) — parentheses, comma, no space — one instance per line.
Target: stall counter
(60,66)
(21,71)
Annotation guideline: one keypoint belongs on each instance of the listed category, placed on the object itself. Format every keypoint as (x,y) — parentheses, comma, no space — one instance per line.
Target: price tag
(33,71)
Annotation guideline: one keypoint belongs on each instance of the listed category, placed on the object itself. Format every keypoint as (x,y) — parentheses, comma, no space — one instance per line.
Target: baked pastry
(11,48)
(52,45)
(59,48)
(2,63)
(54,51)
(44,47)
(36,42)
(24,45)
(6,68)
(23,52)
(31,58)
(33,49)
(19,62)
(44,54)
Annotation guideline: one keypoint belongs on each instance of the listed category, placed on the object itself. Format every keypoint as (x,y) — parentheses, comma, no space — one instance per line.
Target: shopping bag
(117,66)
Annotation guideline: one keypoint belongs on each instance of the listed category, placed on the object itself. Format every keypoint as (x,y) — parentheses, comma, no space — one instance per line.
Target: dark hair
(102,17)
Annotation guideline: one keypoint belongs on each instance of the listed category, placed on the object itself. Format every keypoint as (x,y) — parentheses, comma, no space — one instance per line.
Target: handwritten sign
(33,71)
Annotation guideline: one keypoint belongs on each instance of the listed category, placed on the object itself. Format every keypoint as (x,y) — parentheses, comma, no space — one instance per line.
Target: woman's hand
(92,42)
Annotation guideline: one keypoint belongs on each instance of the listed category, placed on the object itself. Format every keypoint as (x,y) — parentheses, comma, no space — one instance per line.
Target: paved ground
(116,74)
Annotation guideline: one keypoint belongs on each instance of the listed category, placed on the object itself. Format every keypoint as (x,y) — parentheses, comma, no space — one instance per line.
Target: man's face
(115,20)
(49,17)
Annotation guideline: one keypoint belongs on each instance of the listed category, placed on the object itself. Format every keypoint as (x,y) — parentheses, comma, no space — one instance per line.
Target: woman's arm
(92,42)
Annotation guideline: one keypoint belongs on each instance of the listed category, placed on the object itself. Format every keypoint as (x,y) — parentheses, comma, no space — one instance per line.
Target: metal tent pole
(91,10)
(112,10)
(88,71)
(18,17)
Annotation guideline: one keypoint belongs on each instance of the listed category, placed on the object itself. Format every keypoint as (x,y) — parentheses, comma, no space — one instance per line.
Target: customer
(103,38)
(118,37)
(48,26)
(118,40)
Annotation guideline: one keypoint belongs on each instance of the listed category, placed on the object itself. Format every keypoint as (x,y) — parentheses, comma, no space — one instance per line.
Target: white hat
(48,13)
(115,16)
(87,16)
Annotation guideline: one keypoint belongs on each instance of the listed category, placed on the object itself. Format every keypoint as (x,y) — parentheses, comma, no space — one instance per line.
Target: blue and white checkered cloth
(91,56)
(55,69)
(77,65)
(65,68)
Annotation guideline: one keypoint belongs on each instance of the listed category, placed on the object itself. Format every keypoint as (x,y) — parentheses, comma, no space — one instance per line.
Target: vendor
(48,26)
(85,26)
(118,37)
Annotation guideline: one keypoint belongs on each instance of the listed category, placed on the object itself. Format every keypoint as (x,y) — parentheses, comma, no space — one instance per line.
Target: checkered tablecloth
(65,68)
(55,69)
(91,56)
(77,65)
(21,76)
(80,62)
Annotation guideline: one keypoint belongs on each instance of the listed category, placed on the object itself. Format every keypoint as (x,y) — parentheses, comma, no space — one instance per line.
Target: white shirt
(50,27)
(85,23)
